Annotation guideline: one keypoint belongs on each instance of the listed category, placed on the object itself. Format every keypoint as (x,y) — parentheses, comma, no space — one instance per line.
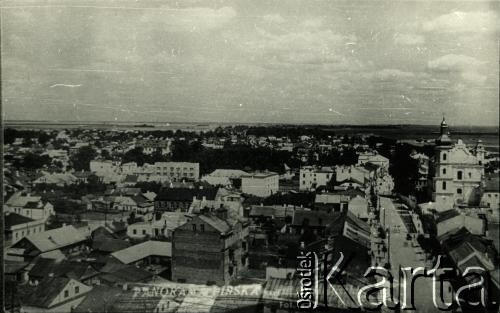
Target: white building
(18,226)
(261,184)
(29,206)
(374,158)
(458,172)
(223,177)
(312,177)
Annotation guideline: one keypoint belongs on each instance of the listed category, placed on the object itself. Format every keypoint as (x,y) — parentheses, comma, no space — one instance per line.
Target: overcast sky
(287,61)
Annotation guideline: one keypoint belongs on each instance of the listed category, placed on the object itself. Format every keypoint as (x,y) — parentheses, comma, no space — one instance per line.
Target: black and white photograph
(250,156)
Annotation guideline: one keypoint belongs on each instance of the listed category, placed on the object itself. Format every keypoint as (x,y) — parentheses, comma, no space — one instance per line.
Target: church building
(459,172)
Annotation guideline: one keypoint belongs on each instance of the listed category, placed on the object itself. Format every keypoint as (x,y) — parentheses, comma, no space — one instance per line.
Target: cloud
(408,39)
(313,23)
(390,74)
(189,19)
(474,77)
(453,62)
(463,22)
(304,47)
(274,18)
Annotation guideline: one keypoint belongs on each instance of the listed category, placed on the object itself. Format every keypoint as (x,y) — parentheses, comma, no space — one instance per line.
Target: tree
(33,161)
(81,159)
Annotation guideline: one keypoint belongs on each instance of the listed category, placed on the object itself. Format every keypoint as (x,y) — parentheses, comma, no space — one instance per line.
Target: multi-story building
(458,172)
(210,249)
(260,184)
(18,226)
(312,177)
(171,171)
(373,158)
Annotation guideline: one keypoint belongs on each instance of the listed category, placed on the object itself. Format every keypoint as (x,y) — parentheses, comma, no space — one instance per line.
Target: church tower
(443,177)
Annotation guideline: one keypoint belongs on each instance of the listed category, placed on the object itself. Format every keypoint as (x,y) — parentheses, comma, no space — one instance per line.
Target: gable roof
(446,215)
(124,273)
(217,223)
(12,219)
(76,270)
(140,251)
(55,238)
(46,291)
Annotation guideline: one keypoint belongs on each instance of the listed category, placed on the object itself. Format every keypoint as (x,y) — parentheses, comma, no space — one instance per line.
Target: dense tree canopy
(81,159)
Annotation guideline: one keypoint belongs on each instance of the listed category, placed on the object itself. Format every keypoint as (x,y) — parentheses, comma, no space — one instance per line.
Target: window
(444,185)
(66,293)
(202,227)
(134,231)
(444,171)
(144,232)
(77,289)
(444,156)
(470,175)
(194,227)
(459,191)
(459,175)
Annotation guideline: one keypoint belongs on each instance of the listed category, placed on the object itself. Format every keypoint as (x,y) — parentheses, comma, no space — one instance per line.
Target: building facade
(260,184)
(458,172)
(209,249)
(312,177)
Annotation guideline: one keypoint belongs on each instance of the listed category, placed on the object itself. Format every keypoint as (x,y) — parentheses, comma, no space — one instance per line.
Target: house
(225,177)
(312,225)
(81,271)
(118,274)
(82,176)
(260,184)
(311,177)
(374,158)
(161,225)
(54,294)
(491,195)
(151,146)
(336,201)
(352,174)
(58,179)
(61,241)
(179,199)
(169,171)
(29,206)
(466,250)
(17,226)
(211,248)
(137,204)
(450,220)
(145,253)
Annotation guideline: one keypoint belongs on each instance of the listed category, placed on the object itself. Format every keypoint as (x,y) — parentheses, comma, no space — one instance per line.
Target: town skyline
(351,63)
